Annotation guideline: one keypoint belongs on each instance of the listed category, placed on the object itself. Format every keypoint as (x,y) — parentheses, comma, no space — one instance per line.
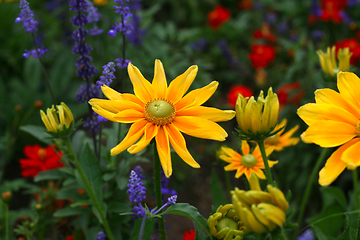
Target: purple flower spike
(109,70)
(120,64)
(33,52)
(27,17)
(136,188)
(101,236)
(123,26)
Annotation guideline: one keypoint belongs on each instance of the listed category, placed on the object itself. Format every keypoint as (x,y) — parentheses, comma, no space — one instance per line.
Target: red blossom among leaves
(265,33)
(354,47)
(39,159)
(234,92)
(245,4)
(261,55)
(69,237)
(190,235)
(290,93)
(218,16)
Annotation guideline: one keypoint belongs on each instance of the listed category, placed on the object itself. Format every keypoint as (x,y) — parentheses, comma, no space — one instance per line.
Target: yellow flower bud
(57,119)
(328,61)
(256,119)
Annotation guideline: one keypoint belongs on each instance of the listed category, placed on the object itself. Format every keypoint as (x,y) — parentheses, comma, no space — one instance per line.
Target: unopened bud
(38,104)
(6,196)
(38,207)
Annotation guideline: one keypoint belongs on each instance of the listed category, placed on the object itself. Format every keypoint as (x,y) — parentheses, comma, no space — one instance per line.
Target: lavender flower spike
(136,188)
(101,236)
(125,15)
(109,70)
(171,201)
(27,17)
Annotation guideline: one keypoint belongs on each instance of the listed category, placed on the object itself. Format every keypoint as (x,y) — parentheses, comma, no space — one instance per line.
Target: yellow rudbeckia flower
(246,163)
(57,119)
(159,111)
(334,121)
(280,140)
(328,61)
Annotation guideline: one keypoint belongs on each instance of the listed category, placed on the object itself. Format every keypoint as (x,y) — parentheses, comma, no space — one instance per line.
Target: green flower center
(226,223)
(159,111)
(248,161)
(272,140)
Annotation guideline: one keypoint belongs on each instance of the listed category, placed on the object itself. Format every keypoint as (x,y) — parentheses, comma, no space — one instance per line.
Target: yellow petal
(111,93)
(104,113)
(198,96)
(334,166)
(240,170)
(260,174)
(312,113)
(254,182)
(329,96)
(261,218)
(129,116)
(245,149)
(150,131)
(329,133)
(349,87)
(114,106)
(351,154)
(135,132)
(181,84)
(163,148)
(229,152)
(273,213)
(199,127)
(53,119)
(46,122)
(142,88)
(177,141)
(159,82)
(212,114)
(278,197)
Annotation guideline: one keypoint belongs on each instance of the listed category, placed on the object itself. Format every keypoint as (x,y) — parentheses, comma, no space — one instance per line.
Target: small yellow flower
(246,163)
(328,61)
(56,124)
(163,112)
(257,119)
(334,120)
(224,224)
(285,140)
(258,210)
(100,2)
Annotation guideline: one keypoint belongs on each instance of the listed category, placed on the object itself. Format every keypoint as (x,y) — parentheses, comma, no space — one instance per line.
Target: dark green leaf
(346,233)
(38,132)
(354,226)
(319,234)
(217,193)
(148,229)
(118,207)
(66,212)
(50,175)
(331,194)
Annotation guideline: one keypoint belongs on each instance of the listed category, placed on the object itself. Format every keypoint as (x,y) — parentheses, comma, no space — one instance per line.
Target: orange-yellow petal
(245,147)
(212,114)
(135,132)
(312,113)
(104,113)
(181,84)
(142,88)
(115,106)
(177,141)
(129,116)
(351,155)
(159,82)
(163,149)
(258,173)
(150,132)
(334,166)
(349,86)
(329,133)
(111,93)
(239,171)
(199,127)
(198,96)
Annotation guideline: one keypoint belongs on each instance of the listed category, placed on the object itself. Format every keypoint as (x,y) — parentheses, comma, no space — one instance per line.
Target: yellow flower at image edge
(258,210)
(280,140)
(224,224)
(163,112)
(334,120)
(248,162)
(57,119)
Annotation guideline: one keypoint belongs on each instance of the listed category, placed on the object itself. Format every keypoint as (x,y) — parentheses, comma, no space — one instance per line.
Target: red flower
(234,92)
(290,93)
(261,55)
(245,4)
(69,238)
(218,16)
(264,33)
(331,9)
(39,159)
(190,235)
(354,47)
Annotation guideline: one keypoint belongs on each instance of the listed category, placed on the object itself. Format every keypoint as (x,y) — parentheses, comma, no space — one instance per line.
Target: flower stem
(265,159)
(307,190)
(43,69)
(356,188)
(88,187)
(157,183)
(7,221)
(141,233)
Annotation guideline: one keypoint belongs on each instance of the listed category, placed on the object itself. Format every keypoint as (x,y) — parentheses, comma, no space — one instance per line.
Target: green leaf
(92,170)
(200,234)
(217,193)
(50,175)
(346,233)
(38,132)
(69,211)
(148,229)
(118,207)
(185,209)
(354,226)
(331,194)
(319,234)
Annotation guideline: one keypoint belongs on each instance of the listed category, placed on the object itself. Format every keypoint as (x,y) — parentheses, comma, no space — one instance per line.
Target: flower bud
(6,197)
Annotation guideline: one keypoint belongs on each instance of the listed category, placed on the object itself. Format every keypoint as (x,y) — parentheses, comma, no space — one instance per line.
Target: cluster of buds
(58,120)
(224,224)
(328,60)
(257,119)
(258,210)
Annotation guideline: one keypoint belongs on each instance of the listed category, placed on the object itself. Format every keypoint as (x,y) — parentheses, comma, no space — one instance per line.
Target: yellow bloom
(100,2)
(328,61)
(258,210)
(51,119)
(333,121)
(257,118)
(224,224)
(163,112)
(280,141)
(246,163)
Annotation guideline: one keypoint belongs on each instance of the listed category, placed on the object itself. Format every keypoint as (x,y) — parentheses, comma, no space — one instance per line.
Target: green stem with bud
(266,163)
